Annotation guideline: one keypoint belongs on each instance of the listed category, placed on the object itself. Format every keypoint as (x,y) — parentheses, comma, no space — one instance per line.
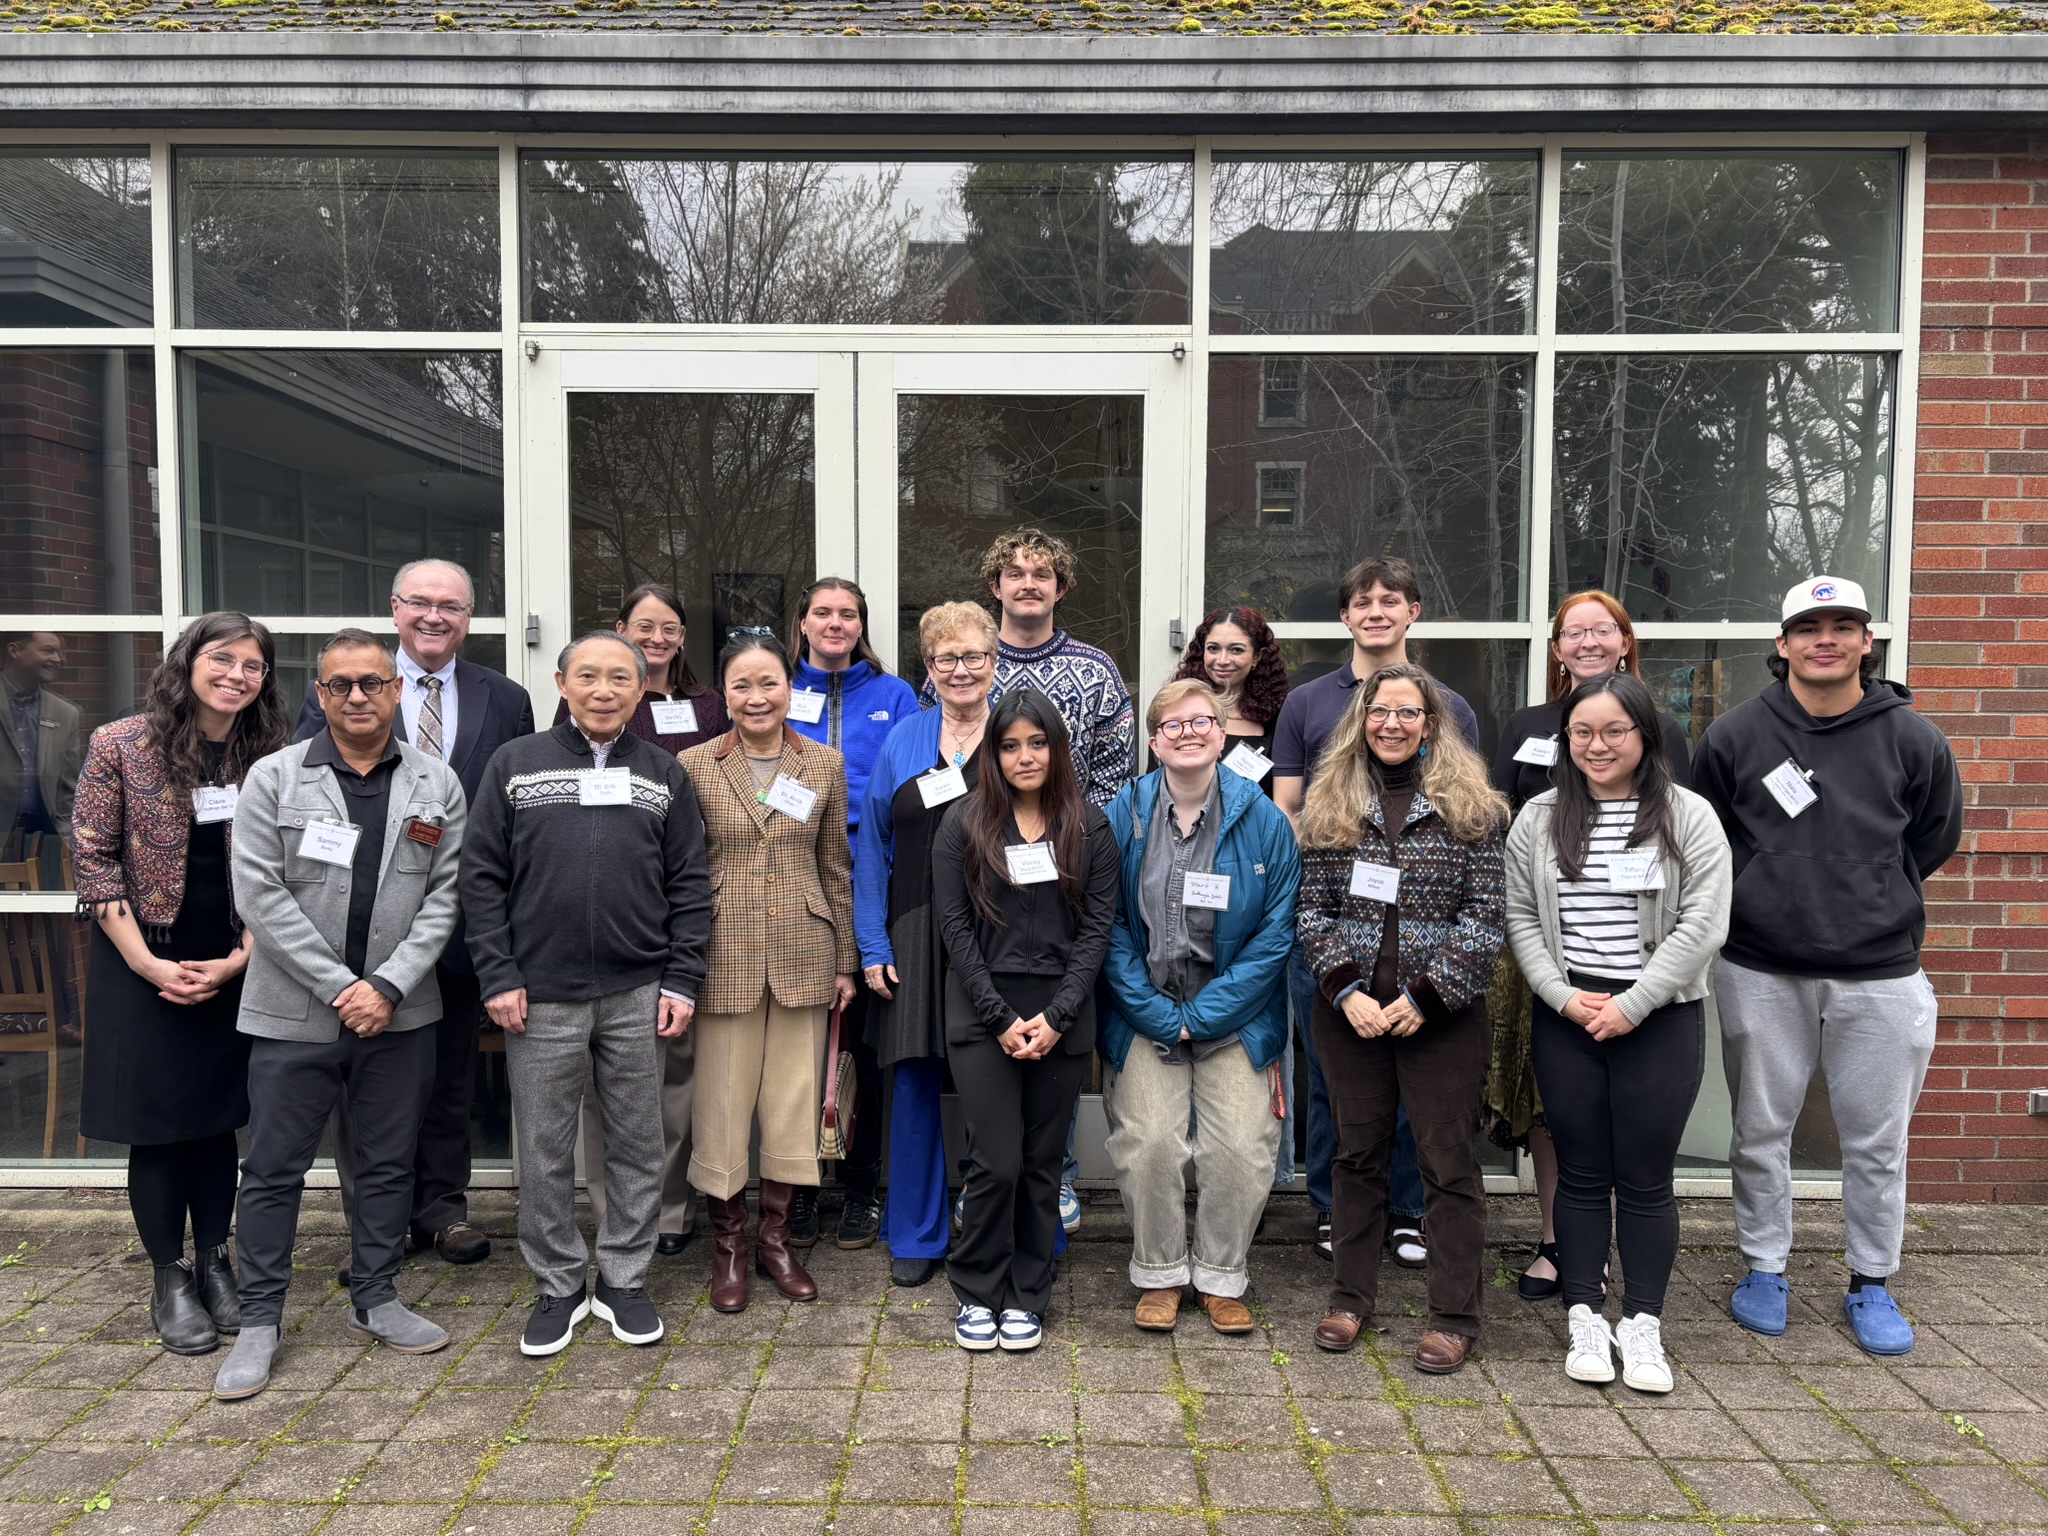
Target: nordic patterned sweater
(1452,909)
(1088,691)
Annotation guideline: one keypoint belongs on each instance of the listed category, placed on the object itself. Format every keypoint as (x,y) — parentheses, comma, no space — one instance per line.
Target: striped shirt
(1598,925)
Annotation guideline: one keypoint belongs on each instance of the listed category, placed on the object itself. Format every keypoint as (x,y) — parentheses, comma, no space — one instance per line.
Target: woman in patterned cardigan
(1401,915)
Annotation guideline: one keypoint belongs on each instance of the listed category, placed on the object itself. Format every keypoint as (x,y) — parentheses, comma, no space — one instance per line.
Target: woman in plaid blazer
(782,955)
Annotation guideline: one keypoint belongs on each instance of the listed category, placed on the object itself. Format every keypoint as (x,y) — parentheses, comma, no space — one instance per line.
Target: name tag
(1210,891)
(1788,786)
(1638,869)
(213,802)
(425,832)
(807,706)
(331,842)
(1375,882)
(1247,761)
(675,717)
(941,785)
(604,786)
(1538,750)
(1031,863)
(791,798)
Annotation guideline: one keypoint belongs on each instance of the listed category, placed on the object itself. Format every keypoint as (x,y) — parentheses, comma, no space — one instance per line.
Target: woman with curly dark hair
(165,1070)
(1234,652)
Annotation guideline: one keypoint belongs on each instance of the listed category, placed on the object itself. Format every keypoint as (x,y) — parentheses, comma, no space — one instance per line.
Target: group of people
(703,915)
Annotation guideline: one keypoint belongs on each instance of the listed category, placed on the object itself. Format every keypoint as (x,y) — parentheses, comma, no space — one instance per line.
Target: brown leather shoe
(1227,1314)
(1338,1330)
(1158,1311)
(1441,1353)
(462,1242)
(773,1255)
(729,1281)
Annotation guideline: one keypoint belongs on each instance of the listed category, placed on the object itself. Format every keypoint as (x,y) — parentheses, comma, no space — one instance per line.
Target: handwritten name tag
(1541,751)
(1209,891)
(1031,863)
(604,786)
(675,717)
(1375,882)
(791,798)
(1788,786)
(1637,869)
(213,802)
(807,706)
(330,842)
(942,785)
(1248,761)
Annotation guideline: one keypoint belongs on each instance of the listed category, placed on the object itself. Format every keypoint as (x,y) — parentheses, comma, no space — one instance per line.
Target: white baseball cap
(1824,594)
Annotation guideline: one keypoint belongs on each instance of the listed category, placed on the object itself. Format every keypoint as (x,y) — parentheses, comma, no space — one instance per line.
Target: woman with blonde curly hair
(1401,916)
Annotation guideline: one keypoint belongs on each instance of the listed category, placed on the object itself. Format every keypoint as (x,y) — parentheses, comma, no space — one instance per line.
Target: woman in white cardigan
(1618,885)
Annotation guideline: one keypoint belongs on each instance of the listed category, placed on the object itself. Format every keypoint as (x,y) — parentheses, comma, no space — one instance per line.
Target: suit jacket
(494,710)
(781,889)
(298,907)
(57,760)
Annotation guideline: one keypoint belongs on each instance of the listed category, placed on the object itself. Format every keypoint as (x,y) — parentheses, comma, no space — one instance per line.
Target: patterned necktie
(430,719)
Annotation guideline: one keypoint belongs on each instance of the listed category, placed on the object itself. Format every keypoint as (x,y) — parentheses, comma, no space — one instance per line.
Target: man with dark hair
(1839,801)
(344,850)
(40,742)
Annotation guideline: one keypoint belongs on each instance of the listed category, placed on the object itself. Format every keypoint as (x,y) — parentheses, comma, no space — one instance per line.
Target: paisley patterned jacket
(131,827)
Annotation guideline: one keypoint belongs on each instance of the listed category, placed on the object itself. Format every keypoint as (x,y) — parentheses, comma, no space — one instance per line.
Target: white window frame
(1299,468)
(1300,416)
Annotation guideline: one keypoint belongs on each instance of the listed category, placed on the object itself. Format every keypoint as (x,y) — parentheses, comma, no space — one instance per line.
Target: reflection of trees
(1051,242)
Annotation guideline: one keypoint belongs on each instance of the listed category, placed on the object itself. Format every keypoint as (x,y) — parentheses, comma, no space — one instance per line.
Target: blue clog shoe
(1874,1317)
(1759,1302)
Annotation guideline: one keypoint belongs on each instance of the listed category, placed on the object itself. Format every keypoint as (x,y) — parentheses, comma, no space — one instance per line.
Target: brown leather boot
(729,1283)
(772,1253)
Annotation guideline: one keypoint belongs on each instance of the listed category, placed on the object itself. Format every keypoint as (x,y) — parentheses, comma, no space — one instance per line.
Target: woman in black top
(1025,879)
(1234,652)
(1590,637)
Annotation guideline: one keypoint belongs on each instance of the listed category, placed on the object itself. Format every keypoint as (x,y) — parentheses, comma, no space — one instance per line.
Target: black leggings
(1616,1110)
(170,1179)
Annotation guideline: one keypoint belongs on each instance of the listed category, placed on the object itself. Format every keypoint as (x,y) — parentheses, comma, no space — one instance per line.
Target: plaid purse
(835,1118)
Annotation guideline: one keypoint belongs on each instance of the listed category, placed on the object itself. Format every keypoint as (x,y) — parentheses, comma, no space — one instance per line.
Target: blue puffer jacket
(862,707)
(1256,848)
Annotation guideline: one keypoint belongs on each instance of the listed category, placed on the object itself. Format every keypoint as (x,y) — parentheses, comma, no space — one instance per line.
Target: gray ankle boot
(393,1326)
(246,1371)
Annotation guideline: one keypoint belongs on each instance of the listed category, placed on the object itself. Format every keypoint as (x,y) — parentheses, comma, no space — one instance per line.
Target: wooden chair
(29,984)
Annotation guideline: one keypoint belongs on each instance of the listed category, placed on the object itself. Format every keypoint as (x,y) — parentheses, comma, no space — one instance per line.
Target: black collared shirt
(368,797)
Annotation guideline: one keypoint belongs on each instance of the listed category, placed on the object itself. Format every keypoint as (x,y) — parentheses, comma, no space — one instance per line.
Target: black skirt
(156,1071)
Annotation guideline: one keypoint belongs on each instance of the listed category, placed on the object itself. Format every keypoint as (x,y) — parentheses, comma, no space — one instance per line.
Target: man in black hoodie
(1839,801)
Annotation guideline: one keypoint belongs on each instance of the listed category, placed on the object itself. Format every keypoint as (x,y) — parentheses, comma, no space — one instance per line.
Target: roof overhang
(648,81)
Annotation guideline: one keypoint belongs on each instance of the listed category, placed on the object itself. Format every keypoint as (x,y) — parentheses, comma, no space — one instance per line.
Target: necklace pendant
(958,759)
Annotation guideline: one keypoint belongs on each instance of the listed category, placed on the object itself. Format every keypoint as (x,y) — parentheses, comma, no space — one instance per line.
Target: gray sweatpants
(612,1039)
(1872,1039)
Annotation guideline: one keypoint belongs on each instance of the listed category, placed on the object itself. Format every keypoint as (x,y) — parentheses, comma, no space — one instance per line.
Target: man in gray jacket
(345,856)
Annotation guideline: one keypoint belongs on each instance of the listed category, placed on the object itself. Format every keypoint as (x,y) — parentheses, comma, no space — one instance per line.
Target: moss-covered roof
(1038,17)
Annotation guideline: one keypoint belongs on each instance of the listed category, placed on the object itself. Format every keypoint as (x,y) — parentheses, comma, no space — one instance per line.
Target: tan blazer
(781,889)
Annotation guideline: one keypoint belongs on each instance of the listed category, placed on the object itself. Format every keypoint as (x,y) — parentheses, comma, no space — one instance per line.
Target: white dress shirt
(415,697)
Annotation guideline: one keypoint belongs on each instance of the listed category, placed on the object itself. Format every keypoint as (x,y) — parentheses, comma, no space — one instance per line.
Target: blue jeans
(1405,1198)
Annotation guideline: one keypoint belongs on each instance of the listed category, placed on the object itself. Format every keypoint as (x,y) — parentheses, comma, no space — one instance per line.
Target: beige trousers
(678,1199)
(765,1061)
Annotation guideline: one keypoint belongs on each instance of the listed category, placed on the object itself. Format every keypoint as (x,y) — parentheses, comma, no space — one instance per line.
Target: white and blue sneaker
(960,1213)
(974,1328)
(1020,1330)
(1070,1209)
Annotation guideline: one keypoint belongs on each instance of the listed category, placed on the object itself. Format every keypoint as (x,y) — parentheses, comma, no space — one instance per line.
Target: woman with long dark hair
(165,1070)
(1234,651)
(1025,879)
(1618,886)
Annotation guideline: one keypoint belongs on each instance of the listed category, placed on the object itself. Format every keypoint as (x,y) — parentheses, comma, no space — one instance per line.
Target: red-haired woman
(1234,652)
(1590,636)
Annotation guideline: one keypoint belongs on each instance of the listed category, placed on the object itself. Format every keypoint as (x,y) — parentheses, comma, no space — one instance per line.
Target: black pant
(1016,1113)
(860,1171)
(170,1179)
(1616,1110)
(441,1163)
(293,1088)
(1439,1073)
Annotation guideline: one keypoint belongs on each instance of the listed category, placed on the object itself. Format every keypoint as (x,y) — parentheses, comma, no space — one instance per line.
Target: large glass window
(998,241)
(367,241)
(74,238)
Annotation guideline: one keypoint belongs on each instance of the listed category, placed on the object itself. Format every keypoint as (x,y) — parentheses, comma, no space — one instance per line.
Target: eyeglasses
(342,687)
(1588,632)
(1407,714)
(1201,725)
(422,607)
(1613,735)
(647,628)
(227,665)
(973,661)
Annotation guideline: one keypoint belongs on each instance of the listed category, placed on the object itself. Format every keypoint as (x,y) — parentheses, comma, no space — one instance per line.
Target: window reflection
(664,240)
(1702,487)
(1489,673)
(74,239)
(1432,247)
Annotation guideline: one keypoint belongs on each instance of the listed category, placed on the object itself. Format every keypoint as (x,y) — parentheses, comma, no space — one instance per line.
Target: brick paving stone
(62,1471)
(1802,1434)
(1245,1421)
(1617,1486)
(430,1473)
(1863,1494)
(1241,1523)
(663,1474)
(1355,1424)
(1587,1431)
(1920,1435)
(1399,1525)
(900,1473)
(1128,1477)
(192,1471)
(289,1473)
(1018,1522)
(1984,1495)
(1744,1490)
(1693,1431)
(1149,1522)
(933,1415)
(779,1474)
(263,1519)
(1132,1418)
(1021,1474)
(1275,1480)
(1499,1485)
(791,1415)
(356,1519)
(1018,1416)
(1373,1483)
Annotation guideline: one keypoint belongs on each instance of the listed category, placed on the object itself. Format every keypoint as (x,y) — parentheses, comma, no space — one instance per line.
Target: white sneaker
(1643,1366)
(1020,1330)
(974,1328)
(1591,1357)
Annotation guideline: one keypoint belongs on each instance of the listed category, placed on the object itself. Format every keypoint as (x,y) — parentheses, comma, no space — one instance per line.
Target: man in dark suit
(460,713)
(40,744)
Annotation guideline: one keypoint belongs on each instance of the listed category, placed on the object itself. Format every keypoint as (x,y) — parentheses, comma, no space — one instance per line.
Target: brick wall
(1980,658)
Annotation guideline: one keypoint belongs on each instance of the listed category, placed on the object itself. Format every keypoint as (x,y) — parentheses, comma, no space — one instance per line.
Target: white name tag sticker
(1375,882)
(1637,869)
(791,798)
(1541,751)
(942,785)
(604,786)
(807,706)
(330,842)
(213,802)
(675,717)
(1031,863)
(1789,788)
(1210,891)
(1247,761)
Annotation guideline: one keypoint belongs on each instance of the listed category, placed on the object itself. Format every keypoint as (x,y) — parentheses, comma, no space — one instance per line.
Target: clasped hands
(1370,1020)
(1597,1014)
(195,981)
(364,1009)
(1029,1039)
